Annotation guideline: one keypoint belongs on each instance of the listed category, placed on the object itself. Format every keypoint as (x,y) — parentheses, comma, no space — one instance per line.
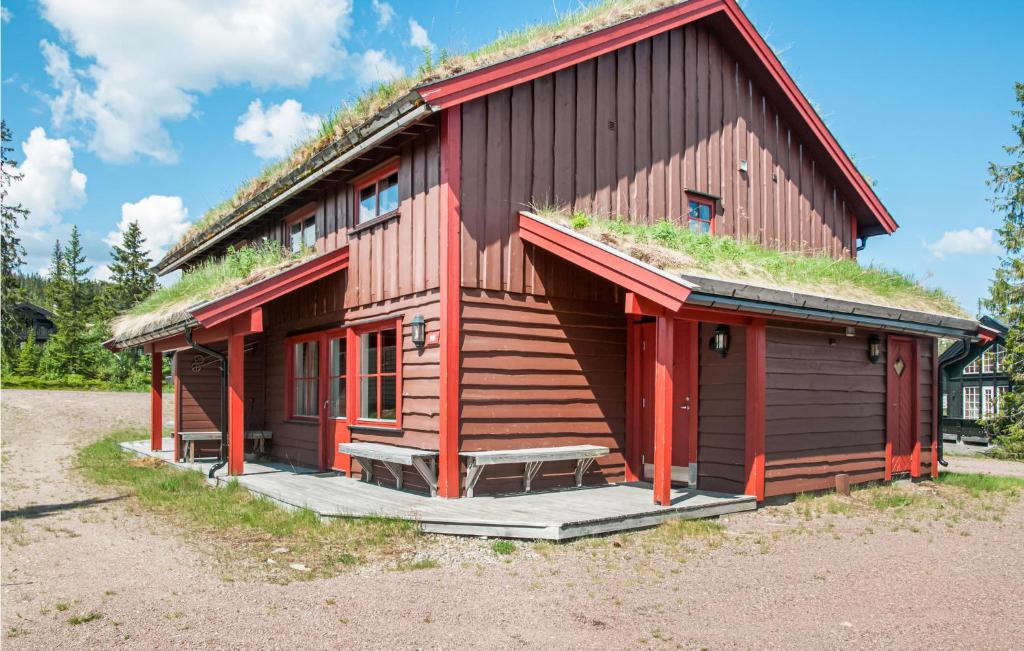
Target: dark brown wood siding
(200,391)
(721,412)
(628,134)
(926,358)
(538,373)
(825,410)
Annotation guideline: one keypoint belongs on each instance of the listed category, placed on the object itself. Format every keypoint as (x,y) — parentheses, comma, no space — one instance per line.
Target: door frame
(890,410)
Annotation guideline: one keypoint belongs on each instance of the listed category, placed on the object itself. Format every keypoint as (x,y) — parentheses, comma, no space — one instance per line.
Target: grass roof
(212,279)
(677,249)
(351,115)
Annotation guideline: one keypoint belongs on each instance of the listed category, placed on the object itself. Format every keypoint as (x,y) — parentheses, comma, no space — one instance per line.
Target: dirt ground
(781,578)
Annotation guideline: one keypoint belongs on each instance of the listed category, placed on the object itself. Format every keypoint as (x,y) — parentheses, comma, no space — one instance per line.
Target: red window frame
(701,201)
(290,378)
(374,177)
(356,380)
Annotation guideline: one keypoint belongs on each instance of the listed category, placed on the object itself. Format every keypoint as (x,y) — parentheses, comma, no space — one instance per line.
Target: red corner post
(754,417)
(156,402)
(236,404)
(449,472)
(663,403)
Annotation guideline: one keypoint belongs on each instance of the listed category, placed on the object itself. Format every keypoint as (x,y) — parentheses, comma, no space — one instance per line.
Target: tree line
(74,356)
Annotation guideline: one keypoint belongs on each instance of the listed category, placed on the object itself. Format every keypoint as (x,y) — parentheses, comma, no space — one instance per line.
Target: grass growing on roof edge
(746,260)
(252,526)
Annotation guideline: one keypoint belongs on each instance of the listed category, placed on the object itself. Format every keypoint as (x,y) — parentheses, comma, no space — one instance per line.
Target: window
(1000,355)
(971,403)
(974,367)
(701,214)
(303,233)
(945,404)
(1000,392)
(988,361)
(378,194)
(378,374)
(338,357)
(304,378)
(988,401)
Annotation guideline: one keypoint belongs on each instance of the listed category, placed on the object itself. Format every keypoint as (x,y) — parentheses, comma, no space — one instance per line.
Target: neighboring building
(441,315)
(34,317)
(975,377)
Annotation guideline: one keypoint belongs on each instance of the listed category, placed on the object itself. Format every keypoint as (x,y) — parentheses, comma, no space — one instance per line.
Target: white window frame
(988,361)
(974,367)
(1001,390)
(1000,358)
(971,403)
(988,401)
(945,404)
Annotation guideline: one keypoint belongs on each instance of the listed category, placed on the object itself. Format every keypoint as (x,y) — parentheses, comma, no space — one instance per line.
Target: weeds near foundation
(503,547)
(978,484)
(677,530)
(248,529)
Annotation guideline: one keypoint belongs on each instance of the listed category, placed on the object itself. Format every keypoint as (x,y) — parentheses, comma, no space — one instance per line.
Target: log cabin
(462,306)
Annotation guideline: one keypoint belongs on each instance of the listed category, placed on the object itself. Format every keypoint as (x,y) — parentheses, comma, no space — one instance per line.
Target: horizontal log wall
(825,410)
(540,373)
(627,134)
(721,413)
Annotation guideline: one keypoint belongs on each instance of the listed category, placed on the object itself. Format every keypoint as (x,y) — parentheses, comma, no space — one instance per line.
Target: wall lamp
(874,349)
(419,331)
(720,340)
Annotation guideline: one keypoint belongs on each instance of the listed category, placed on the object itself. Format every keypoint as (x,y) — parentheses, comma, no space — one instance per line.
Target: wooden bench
(191,438)
(534,458)
(394,457)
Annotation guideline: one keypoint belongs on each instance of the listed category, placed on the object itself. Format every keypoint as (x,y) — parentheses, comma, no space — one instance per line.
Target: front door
(334,410)
(900,417)
(683,399)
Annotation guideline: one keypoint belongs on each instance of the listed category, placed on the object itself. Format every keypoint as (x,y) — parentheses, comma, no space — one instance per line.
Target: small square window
(303,234)
(701,215)
(378,195)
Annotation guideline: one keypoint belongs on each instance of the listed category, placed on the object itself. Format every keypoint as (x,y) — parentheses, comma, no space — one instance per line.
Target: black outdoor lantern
(720,340)
(874,349)
(419,331)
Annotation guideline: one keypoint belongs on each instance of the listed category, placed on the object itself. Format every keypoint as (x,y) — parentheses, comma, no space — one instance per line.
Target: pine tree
(68,352)
(1007,292)
(11,250)
(28,356)
(131,276)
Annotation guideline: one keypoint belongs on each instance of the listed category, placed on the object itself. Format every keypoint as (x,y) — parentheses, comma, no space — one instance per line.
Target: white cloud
(385,14)
(145,62)
(418,36)
(101,272)
(162,219)
(273,132)
(6,15)
(51,185)
(977,241)
(374,66)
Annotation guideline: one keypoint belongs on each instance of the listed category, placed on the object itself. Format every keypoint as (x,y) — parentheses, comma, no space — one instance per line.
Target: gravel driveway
(71,549)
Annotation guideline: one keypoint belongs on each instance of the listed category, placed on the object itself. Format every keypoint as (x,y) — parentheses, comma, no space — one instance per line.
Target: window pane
(299,363)
(368,397)
(388,397)
(694,212)
(388,193)
(298,398)
(338,356)
(705,212)
(312,397)
(388,352)
(367,203)
(368,363)
(296,235)
(309,232)
(337,397)
(312,352)
(700,227)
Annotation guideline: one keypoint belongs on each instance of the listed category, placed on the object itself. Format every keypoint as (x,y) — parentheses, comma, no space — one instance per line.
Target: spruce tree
(11,250)
(1007,292)
(68,351)
(131,276)
(28,356)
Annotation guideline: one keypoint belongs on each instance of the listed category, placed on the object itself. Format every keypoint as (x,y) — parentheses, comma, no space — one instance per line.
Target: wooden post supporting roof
(236,404)
(754,417)
(156,402)
(663,414)
(451,289)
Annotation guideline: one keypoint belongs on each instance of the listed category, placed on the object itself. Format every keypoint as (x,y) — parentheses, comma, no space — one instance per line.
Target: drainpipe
(222,457)
(942,390)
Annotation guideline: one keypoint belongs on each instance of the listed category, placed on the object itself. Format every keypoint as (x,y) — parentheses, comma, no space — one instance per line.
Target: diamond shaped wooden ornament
(899,366)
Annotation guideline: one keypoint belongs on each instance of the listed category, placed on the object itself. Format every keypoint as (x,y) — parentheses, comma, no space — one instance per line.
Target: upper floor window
(1000,355)
(988,361)
(701,215)
(377,194)
(303,233)
(974,367)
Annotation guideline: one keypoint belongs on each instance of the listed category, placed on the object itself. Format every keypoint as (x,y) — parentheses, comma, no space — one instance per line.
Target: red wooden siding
(538,373)
(626,134)
(720,446)
(825,410)
(925,430)
(200,393)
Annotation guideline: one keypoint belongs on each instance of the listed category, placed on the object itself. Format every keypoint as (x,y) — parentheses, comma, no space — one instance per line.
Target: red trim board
(755,409)
(451,296)
(156,402)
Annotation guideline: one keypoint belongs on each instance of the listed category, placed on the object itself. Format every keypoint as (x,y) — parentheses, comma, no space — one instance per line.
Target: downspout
(942,391)
(222,457)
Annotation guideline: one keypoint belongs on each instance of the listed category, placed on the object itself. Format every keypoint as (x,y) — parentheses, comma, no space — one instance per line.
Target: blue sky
(148,112)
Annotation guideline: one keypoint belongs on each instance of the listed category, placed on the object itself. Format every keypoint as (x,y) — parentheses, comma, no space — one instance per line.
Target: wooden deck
(554,515)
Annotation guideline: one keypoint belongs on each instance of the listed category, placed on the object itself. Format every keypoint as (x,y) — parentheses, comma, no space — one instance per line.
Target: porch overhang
(238,312)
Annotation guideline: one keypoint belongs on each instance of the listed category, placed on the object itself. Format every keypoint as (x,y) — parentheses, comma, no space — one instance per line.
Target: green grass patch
(71,382)
(503,547)
(892,497)
(84,619)
(977,483)
(240,519)
(675,247)
(680,528)
(421,564)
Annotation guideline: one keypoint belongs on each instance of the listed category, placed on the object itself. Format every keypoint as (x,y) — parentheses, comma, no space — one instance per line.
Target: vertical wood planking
(625,105)
(497,208)
(676,126)
(605,135)
(519,193)
(565,137)
(419,235)
(474,170)
(586,89)
(659,126)
(543,140)
(642,146)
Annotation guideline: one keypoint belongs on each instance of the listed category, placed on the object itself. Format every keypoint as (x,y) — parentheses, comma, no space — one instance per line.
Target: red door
(334,409)
(901,413)
(683,401)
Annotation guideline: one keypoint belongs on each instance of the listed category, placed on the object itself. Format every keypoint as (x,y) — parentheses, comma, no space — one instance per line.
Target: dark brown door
(682,403)
(900,389)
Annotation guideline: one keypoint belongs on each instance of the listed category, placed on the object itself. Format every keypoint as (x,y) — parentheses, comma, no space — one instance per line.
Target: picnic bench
(190,439)
(393,457)
(534,458)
